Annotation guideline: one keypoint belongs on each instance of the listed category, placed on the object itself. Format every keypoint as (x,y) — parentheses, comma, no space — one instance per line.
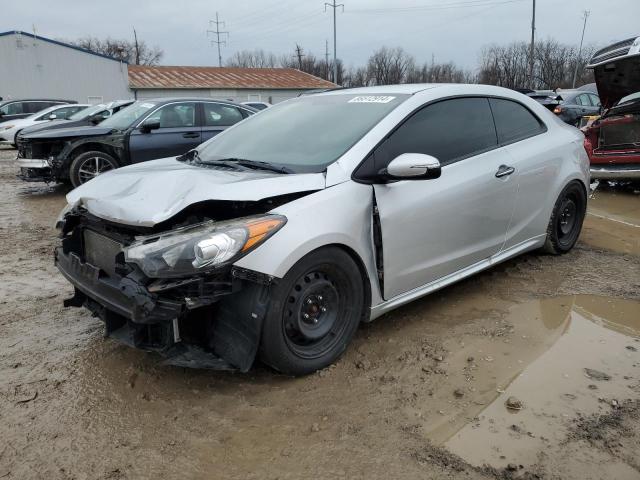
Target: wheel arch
(366,280)
(93,147)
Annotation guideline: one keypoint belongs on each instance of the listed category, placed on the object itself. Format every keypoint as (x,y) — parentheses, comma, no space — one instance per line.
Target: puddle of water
(613,222)
(564,336)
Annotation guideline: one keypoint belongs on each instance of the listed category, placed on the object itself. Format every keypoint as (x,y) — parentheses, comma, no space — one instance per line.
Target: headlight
(8,127)
(201,247)
(63,213)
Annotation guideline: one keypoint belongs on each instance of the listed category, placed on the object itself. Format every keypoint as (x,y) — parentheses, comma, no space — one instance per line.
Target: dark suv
(14,109)
(146,130)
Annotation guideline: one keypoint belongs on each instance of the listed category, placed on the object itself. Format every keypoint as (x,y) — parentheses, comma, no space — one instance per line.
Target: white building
(36,67)
(271,85)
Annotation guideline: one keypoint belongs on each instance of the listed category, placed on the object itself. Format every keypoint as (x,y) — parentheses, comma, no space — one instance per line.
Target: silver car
(276,238)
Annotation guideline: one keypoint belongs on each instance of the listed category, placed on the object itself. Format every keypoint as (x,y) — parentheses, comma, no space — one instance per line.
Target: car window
(583,100)
(595,100)
(66,112)
(513,120)
(217,114)
(15,108)
(175,115)
(449,130)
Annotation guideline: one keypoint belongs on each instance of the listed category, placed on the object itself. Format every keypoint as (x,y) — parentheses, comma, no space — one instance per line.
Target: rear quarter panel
(546,164)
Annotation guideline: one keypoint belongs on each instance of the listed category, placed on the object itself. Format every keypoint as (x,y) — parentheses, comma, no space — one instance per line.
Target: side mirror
(413,166)
(149,125)
(96,119)
(53,116)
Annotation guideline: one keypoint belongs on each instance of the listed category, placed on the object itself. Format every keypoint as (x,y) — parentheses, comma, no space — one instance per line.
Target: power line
(584,26)
(442,6)
(335,6)
(218,32)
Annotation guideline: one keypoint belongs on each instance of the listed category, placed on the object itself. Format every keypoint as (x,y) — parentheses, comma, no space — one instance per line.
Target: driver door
(433,228)
(179,132)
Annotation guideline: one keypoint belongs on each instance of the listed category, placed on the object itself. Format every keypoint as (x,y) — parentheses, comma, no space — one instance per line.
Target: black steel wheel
(566,219)
(313,313)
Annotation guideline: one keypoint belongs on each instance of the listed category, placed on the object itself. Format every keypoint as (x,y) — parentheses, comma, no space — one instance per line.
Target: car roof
(163,100)
(36,100)
(57,107)
(407,89)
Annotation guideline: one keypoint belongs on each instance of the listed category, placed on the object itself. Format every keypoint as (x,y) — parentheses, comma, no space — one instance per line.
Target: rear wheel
(566,219)
(314,312)
(89,165)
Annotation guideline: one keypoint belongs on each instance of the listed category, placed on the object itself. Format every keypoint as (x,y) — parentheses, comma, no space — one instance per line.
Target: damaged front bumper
(218,328)
(34,170)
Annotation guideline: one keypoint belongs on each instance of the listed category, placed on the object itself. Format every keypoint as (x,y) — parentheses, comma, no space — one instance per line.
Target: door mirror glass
(149,125)
(413,166)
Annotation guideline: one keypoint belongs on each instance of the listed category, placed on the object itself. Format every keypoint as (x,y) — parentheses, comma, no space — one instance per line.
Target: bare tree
(252,59)
(135,53)
(554,63)
(389,65)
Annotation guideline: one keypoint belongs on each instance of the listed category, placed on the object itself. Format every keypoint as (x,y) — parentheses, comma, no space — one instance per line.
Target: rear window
(514,121)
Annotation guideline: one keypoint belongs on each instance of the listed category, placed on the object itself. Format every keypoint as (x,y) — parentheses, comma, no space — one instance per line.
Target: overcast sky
(450,30)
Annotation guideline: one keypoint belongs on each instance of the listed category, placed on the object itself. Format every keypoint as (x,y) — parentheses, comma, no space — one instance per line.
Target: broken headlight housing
(201,247)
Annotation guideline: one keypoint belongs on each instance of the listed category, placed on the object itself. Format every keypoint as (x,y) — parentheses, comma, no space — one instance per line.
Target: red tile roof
(141,76)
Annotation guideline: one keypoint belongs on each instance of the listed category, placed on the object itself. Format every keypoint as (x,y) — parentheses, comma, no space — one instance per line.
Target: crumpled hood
(54,125)
(81,131)
(148,193)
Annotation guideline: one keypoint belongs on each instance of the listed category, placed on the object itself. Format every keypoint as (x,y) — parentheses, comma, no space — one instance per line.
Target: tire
(566,219)
(15,139)
(314,312)
(88,165)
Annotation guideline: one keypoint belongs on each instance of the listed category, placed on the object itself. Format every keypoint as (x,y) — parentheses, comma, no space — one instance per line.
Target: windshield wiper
(253,164)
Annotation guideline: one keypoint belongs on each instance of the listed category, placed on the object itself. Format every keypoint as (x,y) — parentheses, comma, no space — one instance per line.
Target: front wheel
(314,312)
(89,165)
(566,219)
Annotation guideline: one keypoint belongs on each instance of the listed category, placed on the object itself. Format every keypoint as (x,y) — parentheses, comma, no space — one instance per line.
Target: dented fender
(313,222)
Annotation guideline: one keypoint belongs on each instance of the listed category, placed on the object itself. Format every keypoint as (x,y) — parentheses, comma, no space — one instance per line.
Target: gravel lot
(528,370)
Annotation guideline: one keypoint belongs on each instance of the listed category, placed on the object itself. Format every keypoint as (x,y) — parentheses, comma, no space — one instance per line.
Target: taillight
(557,110)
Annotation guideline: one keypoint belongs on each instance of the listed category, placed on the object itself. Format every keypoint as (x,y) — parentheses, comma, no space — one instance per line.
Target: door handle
(191,135)
(504,170)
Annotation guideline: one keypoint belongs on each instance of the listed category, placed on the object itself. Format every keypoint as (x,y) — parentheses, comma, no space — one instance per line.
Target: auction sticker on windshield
(372,99)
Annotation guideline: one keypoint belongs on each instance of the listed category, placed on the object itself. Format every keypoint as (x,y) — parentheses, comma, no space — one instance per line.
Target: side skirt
(416,293)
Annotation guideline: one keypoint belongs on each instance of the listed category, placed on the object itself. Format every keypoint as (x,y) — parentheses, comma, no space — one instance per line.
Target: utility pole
(299,54)
(584,26)
(533,36)
(218,32)
(334,5)
(135,38)
(326,59)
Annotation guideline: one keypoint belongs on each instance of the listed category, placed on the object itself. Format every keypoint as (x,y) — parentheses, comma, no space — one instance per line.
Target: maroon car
(613,140)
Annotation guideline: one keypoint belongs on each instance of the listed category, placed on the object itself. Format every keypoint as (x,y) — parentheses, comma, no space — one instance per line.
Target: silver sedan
(276,238)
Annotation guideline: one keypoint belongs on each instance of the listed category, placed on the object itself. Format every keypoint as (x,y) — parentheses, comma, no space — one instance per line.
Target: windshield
(305,134)
(125,117)
(87,112)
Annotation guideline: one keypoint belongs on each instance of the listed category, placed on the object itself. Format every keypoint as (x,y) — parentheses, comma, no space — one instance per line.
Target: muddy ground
(424,392)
